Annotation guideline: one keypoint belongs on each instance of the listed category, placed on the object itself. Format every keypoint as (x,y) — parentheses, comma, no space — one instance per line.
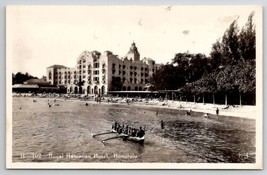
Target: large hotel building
(97,73)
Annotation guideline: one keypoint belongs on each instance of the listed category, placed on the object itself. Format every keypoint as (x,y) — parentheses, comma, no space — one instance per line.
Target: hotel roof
(57,66)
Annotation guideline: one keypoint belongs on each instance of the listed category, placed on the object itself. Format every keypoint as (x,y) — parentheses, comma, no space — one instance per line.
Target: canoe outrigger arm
(116,137)
(110,132)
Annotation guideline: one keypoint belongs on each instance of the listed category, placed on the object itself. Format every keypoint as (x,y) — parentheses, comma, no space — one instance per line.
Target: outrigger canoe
(125,137)
(136,139)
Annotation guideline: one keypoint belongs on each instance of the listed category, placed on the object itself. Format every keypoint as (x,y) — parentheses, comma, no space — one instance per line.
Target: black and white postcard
(134,87)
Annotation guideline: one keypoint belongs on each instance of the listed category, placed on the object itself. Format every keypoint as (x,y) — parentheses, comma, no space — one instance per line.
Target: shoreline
(248,112)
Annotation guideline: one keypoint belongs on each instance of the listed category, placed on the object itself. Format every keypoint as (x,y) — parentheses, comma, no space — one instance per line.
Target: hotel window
(96,72)
(131,67)
(89,66)
(103,65)
(96,79)
(96,65)
(131,80)
(123,66)
(113,66)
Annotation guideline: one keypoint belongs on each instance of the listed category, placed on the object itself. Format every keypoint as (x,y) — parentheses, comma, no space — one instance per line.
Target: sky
(41,36)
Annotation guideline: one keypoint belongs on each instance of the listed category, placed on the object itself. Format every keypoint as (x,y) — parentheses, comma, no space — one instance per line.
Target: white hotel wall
(97,79)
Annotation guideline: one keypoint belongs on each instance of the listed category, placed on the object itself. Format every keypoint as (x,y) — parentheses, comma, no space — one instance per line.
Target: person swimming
(162,124)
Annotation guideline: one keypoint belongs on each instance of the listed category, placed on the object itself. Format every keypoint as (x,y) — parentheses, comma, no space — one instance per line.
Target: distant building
(43,78)
(100,73)
(35,85)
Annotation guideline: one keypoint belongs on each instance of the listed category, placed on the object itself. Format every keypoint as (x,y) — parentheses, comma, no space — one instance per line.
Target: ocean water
(63,133)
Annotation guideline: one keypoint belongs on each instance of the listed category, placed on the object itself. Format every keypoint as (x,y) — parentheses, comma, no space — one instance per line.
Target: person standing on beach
(217,111)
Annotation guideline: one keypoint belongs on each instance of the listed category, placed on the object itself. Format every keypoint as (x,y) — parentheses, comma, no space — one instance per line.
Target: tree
(231,59)
(230,44)
(20,78)
(198,65)
(207,84)
(216,55)
(246,79)
(168,77)
(248,40)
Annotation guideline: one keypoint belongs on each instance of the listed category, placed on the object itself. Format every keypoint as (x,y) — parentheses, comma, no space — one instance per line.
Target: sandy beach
(243,111)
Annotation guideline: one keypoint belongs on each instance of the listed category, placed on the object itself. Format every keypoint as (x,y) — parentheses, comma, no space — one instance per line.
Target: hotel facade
(97,73)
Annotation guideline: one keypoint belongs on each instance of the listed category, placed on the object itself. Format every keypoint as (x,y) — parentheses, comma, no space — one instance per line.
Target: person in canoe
(120,129)
(134,131)
(141,132)
(114,126)
(126,130)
